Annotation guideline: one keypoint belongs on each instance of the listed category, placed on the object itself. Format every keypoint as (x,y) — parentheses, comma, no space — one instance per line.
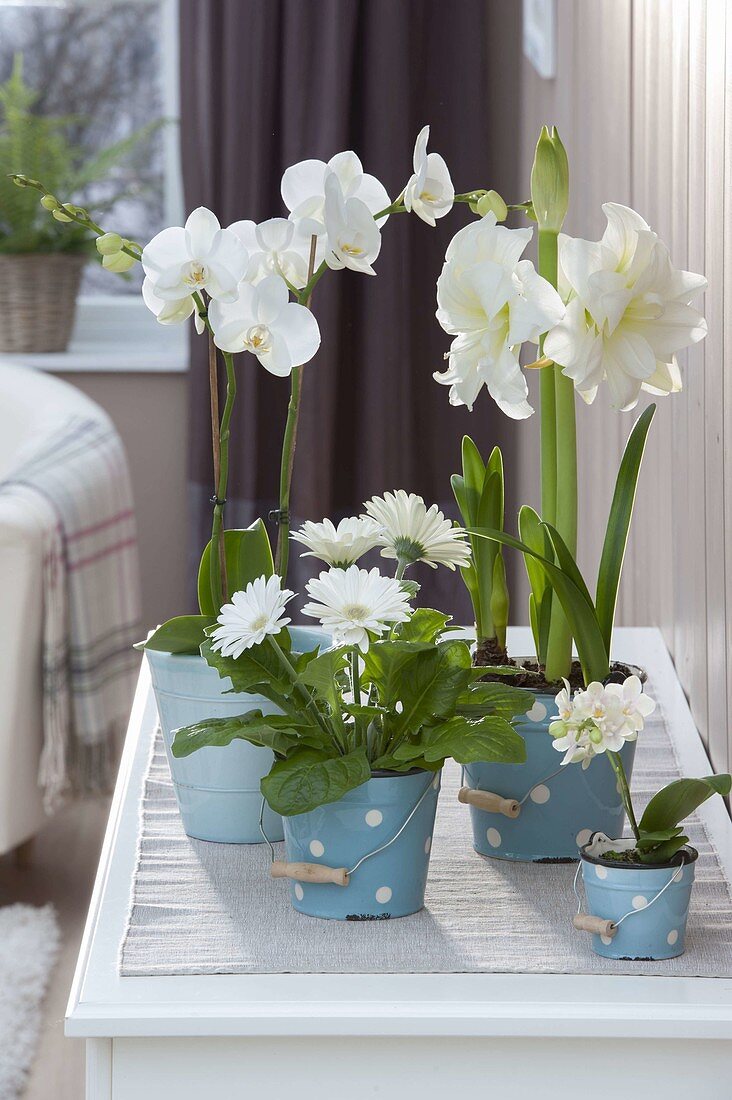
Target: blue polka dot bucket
(385,877)
(645,906)
(557,808)
(217,788)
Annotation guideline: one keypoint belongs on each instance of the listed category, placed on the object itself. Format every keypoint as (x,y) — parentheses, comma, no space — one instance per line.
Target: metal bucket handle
(493,803)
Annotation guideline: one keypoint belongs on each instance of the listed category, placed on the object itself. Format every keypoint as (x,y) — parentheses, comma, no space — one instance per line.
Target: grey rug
(200,908)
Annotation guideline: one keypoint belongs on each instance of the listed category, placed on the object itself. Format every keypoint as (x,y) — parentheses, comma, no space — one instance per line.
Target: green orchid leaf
(248,556)
(183,634)
(580,614)
(308,779)
(425,625)
(618,525)
(650,840)
(269,731)
(489,739)
(501,700)
(663,852)
(675,802)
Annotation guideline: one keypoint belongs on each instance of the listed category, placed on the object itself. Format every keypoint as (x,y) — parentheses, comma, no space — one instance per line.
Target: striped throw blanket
(77,484)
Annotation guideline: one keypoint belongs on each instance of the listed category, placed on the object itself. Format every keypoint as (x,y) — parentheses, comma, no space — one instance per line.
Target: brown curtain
(266,83)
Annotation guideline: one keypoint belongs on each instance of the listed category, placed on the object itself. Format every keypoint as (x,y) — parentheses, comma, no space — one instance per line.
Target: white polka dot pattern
(601,872)
(383,895)
(299,892)
(427,845)
(607,940)
(317,848)
(672,937)
(494,838)
(540,794)
(374,818)
(537,712)
(583,837)
(639,901)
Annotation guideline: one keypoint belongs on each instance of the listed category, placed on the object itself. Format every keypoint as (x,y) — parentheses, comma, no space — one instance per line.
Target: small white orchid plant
(598,721)
(396,689)
(614,311)
(249,288)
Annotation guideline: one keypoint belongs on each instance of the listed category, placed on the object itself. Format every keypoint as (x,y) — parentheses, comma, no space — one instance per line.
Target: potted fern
(42,258)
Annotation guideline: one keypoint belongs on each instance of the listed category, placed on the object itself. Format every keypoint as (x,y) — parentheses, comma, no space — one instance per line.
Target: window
(111,68)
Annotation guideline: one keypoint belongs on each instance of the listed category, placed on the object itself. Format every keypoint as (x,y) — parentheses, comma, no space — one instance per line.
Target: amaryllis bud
(550,181)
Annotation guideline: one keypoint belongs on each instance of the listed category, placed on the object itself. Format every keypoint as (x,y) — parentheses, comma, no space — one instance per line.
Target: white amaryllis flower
(600,719)
(275,248)
(353,238)
(263,321)
(199,256)
(251,616)
(339,546)
(492,301)
(412,532)
(429,193)
(303,190)
(353,603)
(629,311)
(171,313)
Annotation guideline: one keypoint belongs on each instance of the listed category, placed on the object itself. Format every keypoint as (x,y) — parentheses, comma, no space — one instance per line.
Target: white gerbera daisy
(351,603)
(339,546)
(251,616)
(413,532)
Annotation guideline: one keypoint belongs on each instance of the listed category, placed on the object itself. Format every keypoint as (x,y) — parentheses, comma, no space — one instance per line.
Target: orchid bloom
(263,321)
(353,237)
(429,192)
(200,256)
(171,313)
(629,311)
(491,301)
(275,247)
(303,190)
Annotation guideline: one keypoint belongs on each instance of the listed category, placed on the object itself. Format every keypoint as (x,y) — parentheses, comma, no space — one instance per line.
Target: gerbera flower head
(412,532)
(339,546)
(352,604)
(252,614)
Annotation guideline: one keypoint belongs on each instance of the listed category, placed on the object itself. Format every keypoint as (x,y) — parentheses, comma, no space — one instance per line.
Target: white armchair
(32,404)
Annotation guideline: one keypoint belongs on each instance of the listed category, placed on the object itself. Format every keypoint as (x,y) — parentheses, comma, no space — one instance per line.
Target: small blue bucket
(217,788)
(391,882)
(648,905)
(560,807)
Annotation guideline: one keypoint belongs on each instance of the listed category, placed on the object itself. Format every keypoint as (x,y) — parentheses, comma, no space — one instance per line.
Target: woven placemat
(200,908)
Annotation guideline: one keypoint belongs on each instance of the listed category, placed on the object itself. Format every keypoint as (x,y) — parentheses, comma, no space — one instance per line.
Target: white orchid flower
(599,719)
(263,321)
(353,603)
(171,313)
(275,247)
(253,613)
(492,301)
(429,192)
(629,311)
(200,256)
(353,237)
(303,190)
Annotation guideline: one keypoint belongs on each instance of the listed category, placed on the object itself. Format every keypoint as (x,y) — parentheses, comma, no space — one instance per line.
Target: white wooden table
(403,1036)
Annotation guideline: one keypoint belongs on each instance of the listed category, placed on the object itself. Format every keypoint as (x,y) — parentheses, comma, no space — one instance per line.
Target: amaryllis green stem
(558,468)
(289,442)
(619,770)
(218,590)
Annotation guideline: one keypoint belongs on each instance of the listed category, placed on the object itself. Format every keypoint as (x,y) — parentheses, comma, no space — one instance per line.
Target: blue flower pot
(388,884)
(559,812)
(649,931)
(217,788)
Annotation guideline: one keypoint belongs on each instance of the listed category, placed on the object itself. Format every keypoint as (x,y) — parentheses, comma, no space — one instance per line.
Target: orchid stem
(619,769)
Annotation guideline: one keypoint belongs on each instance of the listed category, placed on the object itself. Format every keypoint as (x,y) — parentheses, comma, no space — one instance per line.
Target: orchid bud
(60,216)
(475,197)
(48,202)
(109,244)
(550,181)
(118,262)
(492,202)
(78,211)
(18,180)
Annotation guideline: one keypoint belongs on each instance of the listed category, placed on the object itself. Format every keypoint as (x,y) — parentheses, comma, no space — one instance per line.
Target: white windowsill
(114,335)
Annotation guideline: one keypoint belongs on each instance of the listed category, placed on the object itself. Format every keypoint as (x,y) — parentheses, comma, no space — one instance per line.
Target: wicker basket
(39,293)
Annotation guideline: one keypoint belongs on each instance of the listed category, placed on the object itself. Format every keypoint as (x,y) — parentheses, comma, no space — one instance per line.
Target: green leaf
(566,562)
(491,739)
(473,475)
(665,851)
(618,525)
(424,626)
(321,675)
(184,634)
(308,779)
(248,556)
(270,731)
(257,669)
(501,700)
(426,680)
(675,802)
(534,535)
(580,614)
(649,840)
